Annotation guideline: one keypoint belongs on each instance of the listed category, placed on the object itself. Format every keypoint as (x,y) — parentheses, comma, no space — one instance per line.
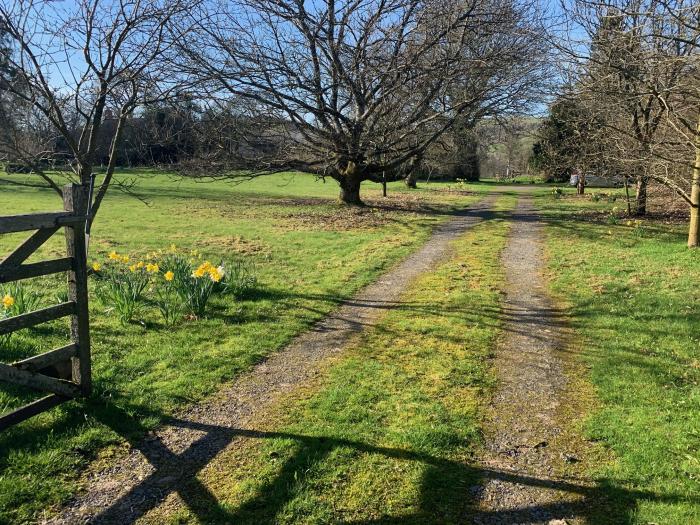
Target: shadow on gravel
(447,490)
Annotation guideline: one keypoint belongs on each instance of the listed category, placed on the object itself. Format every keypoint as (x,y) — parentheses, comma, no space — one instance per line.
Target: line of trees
(353,90)
(631,104)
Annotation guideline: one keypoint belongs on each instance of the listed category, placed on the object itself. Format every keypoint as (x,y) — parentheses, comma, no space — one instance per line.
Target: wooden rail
(65,372)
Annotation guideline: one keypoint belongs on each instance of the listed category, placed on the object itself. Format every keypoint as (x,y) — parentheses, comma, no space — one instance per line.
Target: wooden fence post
(75,200)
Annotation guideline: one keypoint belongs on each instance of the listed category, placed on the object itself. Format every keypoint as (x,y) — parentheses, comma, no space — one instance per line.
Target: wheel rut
(157,465)
(528,440)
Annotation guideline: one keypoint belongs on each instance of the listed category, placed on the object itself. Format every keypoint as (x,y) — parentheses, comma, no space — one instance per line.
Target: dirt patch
(534,453)
(330,215)
(153,468)
(236,244)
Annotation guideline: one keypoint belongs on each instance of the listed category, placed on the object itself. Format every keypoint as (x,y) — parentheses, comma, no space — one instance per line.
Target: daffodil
(173,248)
(140,265)
(133,268)
(114,256)
(125,259)
(203,269)
(215,275)
(152,268)
(169,276)
(8,301)
(96,266)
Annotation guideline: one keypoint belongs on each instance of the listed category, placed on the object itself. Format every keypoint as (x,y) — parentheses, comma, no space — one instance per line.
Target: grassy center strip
(387,431)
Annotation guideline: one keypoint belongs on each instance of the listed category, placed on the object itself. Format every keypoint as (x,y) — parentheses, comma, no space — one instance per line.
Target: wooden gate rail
(64,372)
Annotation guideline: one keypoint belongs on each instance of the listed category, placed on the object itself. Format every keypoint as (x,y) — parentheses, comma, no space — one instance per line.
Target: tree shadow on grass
(447,492)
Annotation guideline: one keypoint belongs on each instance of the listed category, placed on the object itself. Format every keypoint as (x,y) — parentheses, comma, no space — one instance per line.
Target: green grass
(632,294)
(309,253)
(387,433)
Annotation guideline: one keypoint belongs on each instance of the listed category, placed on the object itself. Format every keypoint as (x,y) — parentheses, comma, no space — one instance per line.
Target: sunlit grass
(385,436)
(309,253)
(633,296)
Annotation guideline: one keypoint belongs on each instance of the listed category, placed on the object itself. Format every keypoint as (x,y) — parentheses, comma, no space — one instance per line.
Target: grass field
(386,434)
(309,253)
(632,294)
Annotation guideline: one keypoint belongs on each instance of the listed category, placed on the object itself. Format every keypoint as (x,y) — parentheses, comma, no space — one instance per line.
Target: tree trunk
(412,173)
(383,183)
(694,229)
(410,179)
(641,197)
(581,184)
(350,180)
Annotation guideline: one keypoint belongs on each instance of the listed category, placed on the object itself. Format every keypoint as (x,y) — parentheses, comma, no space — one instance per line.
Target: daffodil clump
(16,300)
(121,284)
(192,280)
(178,283)
(638,227)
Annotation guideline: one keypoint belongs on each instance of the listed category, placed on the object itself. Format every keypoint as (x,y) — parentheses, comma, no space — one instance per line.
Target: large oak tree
(357,90)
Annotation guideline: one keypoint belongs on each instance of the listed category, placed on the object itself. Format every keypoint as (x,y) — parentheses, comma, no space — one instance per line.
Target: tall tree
(83,69)
(641,78)
(356,89)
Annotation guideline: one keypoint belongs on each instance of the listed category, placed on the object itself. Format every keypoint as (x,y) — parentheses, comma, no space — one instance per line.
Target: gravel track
(525,441)
(157,465)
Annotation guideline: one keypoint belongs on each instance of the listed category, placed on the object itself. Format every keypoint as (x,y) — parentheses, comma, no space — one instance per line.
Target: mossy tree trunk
(350,181)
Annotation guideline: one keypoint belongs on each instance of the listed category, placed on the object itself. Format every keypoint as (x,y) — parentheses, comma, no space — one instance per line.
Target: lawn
(631,291)
(386,434)
(308,253)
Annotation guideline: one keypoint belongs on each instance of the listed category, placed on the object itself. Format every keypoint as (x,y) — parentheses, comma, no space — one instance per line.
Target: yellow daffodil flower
(169,276)
(8,301)
(215,275)
(96,266)
(114,256)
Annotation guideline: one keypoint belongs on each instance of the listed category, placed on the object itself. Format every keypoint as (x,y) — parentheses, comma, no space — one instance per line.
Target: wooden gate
(64,372)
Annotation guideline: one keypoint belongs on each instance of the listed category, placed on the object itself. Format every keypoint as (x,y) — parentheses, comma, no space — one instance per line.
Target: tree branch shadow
(446,494)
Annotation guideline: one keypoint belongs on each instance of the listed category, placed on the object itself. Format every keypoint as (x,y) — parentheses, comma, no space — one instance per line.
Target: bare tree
(638,73)
(79,73)
(358,89)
